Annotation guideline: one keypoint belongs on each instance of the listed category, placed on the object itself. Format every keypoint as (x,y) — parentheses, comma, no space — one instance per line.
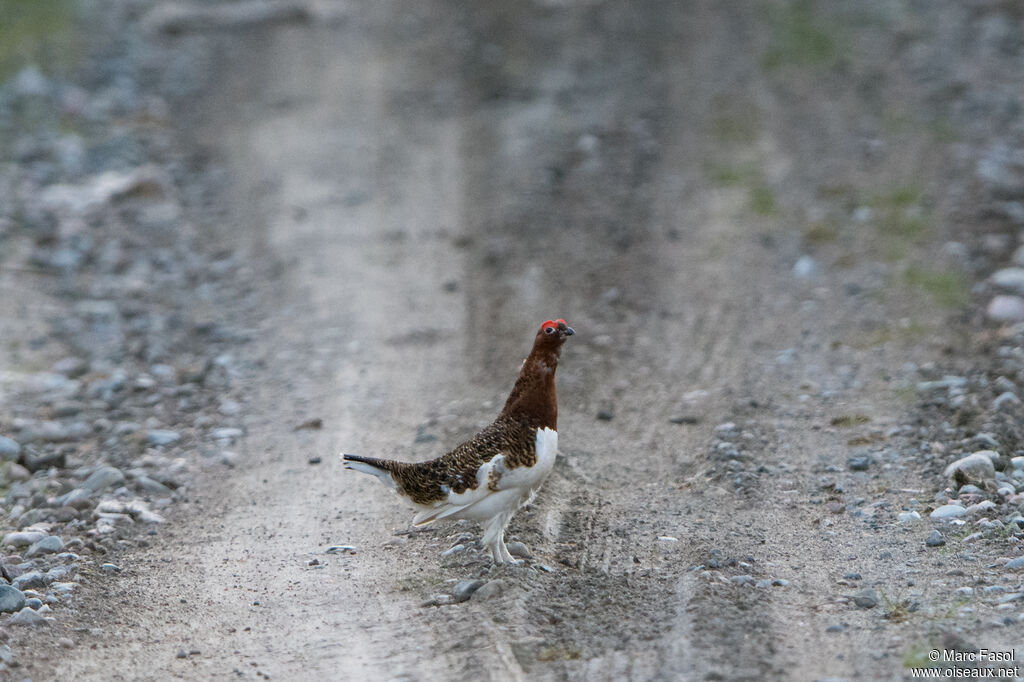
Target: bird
(500,469)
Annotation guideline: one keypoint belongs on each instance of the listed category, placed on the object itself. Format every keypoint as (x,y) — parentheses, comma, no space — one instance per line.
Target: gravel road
(763,224)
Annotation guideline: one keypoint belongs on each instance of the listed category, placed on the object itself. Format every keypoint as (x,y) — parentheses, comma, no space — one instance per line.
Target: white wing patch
(514,487)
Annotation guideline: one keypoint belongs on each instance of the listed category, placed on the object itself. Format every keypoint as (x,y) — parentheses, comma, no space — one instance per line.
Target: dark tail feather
(381,468)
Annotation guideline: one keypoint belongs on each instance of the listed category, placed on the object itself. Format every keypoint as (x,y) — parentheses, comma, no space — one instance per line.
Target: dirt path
(418,187)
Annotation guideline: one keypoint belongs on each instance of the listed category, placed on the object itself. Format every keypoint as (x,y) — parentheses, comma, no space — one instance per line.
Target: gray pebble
(1014,564)
(10,450)
(226,433)
(26,617)
(160,437)
(908,517)
(341,549)
(805,267)
(743,579)
(464,589)
(103,478)
(1011,279)
(51,544)
(852,576)
(948,511)
(866,598)
(935,539)
(11,599)
(110,568)
(23,538)
(490,590)
(32,579)
(454,550)
(763,582)
(520,550)
(34,603)
(859,462)
(834,628)
(153,486)
(1006,308)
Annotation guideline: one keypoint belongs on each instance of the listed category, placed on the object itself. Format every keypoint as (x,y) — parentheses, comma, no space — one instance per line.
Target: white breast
(529,479)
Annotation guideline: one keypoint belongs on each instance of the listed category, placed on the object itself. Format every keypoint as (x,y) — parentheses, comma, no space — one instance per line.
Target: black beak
(568,331)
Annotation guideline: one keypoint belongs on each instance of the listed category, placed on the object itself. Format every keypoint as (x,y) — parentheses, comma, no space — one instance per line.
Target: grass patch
(559,653)
(947,288)
(762,199)
(848,420)
(36,31)
(821,232)
(917,657)
(731,176)
(799,38)
(903,196)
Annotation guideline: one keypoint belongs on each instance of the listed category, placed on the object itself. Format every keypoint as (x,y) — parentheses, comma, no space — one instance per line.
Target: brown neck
(533,401)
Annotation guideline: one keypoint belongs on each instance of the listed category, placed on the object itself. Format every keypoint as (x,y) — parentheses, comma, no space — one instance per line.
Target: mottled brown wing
(433,481)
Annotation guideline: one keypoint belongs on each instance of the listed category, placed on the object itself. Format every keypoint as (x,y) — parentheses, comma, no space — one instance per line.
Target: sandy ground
(419,185)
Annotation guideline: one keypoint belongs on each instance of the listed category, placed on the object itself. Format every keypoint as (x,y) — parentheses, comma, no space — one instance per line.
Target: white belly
(516,487)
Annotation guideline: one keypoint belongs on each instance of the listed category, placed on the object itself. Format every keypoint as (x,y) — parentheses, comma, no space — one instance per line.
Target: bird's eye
(549,330)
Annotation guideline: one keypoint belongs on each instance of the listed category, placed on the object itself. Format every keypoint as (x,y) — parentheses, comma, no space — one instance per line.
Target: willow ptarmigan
(487,478)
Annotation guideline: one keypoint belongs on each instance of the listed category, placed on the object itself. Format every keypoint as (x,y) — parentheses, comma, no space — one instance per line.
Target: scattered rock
(161,437)
(859,462)
(464,589)
(10,449)
(976,468)
(935,539)
(866,598)
(908,517)
(103,478)
(50,544)
(153,486)
(316,423)
(341,549)
(489,590)
(1004,308)
(520,550)
(1014,564)
(1010,279)
(23,538)
(26,616)
(11,599)
(30,580)
(315,460)
(805,267)
(948,511)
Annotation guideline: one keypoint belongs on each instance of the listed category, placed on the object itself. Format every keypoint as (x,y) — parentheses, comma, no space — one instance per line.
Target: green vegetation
(559,653)
(762,199)
(948,288)
(800,38)
(821,232)
(848,420)
(35,31)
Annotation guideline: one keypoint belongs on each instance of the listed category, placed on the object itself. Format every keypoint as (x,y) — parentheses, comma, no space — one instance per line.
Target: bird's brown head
(552,334)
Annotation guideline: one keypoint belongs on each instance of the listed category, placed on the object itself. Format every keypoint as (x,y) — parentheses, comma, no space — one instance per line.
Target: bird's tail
(381,468)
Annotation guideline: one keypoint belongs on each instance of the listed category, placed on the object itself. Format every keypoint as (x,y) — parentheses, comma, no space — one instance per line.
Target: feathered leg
(494,539)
